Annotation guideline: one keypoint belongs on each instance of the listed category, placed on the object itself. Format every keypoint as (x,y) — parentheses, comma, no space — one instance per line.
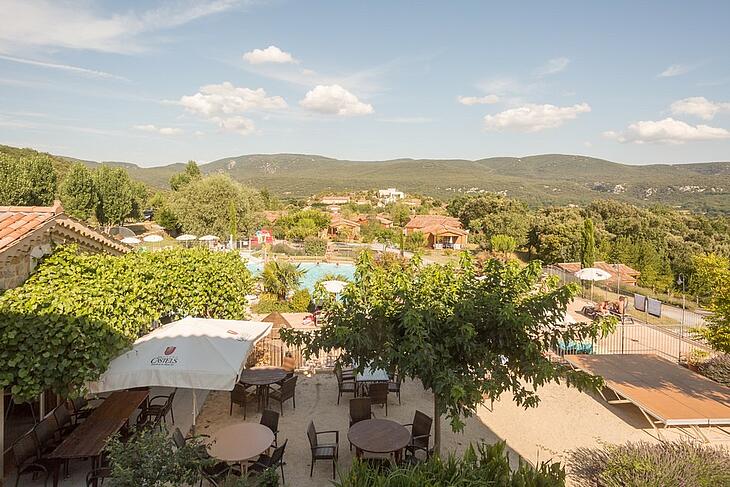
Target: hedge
(77,312)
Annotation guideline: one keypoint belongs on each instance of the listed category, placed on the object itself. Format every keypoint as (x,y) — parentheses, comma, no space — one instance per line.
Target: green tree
(232,220)
(299,225)
(27,179)
(490,214)
(504,244)
(386,236)
(715,272)
(588,244)
(465,337)
(115,195)
(191,172)
(415,241)
(78,193)
(203,206)
(555,234)
(400,214)
(280,278)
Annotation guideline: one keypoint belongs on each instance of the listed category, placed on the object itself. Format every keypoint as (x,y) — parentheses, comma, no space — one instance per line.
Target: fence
(271,351)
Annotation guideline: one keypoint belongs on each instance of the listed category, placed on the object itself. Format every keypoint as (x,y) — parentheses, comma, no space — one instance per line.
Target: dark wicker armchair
(323,451)
(420,434)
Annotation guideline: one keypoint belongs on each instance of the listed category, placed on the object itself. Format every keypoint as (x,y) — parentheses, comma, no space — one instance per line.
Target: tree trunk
(436,427)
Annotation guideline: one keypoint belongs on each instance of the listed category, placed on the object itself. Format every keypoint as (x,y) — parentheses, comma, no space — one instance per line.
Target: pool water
(314,271)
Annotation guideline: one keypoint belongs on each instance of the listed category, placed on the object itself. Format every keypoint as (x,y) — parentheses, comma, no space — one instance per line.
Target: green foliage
(202,206)
(268,478)
(27,179)
(78,193)
(232,220)
(270,201)
(717,330)
(191,172)
(503,243)
(386,236)
(415,241)
(465,338)
(282,248)
(400,214)
(315,246)
(491,214)
(269,303)
(280,278)
(587,244)
(151,459)
(167,219)
(555,234)
(487,466)
(644,464)
(61,328)
(299,225)
(300,301)
(717,368)
(115,195)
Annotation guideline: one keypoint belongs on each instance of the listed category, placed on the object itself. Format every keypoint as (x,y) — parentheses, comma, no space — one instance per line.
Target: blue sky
(161,82)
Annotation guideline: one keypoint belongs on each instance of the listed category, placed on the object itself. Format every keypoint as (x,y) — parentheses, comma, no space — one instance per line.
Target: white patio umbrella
(592,274)
(153,238)
(208,238)
(186,237)
(334,286)
(192,353)
(131,240)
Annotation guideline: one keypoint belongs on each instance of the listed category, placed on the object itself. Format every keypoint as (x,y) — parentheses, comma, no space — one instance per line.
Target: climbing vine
(77,312)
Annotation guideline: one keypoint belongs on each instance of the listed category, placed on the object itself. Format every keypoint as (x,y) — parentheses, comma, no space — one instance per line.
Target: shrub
(485,466)
(651,464)
(282,248)
(415,241)
(315,246)
(717,368)
(300,301)
(268,303)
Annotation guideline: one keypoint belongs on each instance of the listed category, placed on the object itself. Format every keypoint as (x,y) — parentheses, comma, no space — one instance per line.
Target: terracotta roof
(20,222)
(17,222)
(442,230)
(421,221)
(337,220)
(627,274)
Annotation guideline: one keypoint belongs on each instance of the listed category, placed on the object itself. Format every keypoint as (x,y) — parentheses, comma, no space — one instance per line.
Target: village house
(343,228)
(390,195)
(334,200)
(441,232)
(28,233)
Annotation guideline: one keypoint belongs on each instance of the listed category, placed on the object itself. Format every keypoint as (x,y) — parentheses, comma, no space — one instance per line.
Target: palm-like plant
(279,278)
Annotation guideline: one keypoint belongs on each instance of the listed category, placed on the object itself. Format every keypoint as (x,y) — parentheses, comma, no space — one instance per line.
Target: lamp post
(681,281)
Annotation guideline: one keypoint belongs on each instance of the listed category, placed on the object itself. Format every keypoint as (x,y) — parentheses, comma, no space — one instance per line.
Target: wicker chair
(81,409)
(394,386)
(378,394)
(270,419)
(343,386)
(241,396)
(28,460)
(162,408)
(47,433)
(284,393)
(323,451)
(214,472)
(266,462)
(420,434)
(64,420)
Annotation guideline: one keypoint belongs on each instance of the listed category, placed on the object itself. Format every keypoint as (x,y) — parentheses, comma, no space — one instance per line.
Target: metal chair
(47,433)
(163,408)
(323,451)
(265,462)
(213,472)
(343,386)
(80,408)
(284,393)
(27,458)
(270,419)
(360,409)
(64,420)
(394,386)
(240,395)
(420,434)
(378,393)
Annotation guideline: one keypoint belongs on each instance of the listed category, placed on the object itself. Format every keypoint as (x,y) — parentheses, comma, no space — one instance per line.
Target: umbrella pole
(195,407)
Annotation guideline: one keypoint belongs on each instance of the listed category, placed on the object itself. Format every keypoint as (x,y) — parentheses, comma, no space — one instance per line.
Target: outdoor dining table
(262,378)
(379,436)
(240,442)
(369,376)
(91,437)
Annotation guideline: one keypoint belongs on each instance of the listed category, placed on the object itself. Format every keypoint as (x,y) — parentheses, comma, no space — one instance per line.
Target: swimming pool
(313,271)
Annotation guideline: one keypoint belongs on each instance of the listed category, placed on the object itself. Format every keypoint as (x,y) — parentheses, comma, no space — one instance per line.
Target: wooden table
(90,438)
(240,442)
(379,436)
(262,378)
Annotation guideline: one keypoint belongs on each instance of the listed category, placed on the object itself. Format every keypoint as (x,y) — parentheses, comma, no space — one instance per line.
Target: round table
(240,442)
(262,378)
(379,436)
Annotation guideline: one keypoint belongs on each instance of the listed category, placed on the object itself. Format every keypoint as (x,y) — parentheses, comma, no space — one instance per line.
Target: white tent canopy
(192,353)
(592,274)
(334,286)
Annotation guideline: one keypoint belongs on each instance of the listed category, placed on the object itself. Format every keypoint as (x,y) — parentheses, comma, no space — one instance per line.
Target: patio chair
(420,434)
(149,419)
(47,433)
(80,408)
(343,386)
(348,374)
(163,406)
(378,393)
(97,476)
(28,460)
(360,409)
(214,472)
(284,393)
(64,420)
(265,462)
(323,451)
(241,396)
(394,385)
(270,419)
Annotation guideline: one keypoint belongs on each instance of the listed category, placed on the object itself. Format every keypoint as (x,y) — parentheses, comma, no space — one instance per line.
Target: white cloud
(334,100)
(676,70)
(76,25)
(63,67)
(667,131)
(699,106)
(271,54)
(224,103)
(478,100)
(158,130)
(533,118)
(406,120)
(553,66)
